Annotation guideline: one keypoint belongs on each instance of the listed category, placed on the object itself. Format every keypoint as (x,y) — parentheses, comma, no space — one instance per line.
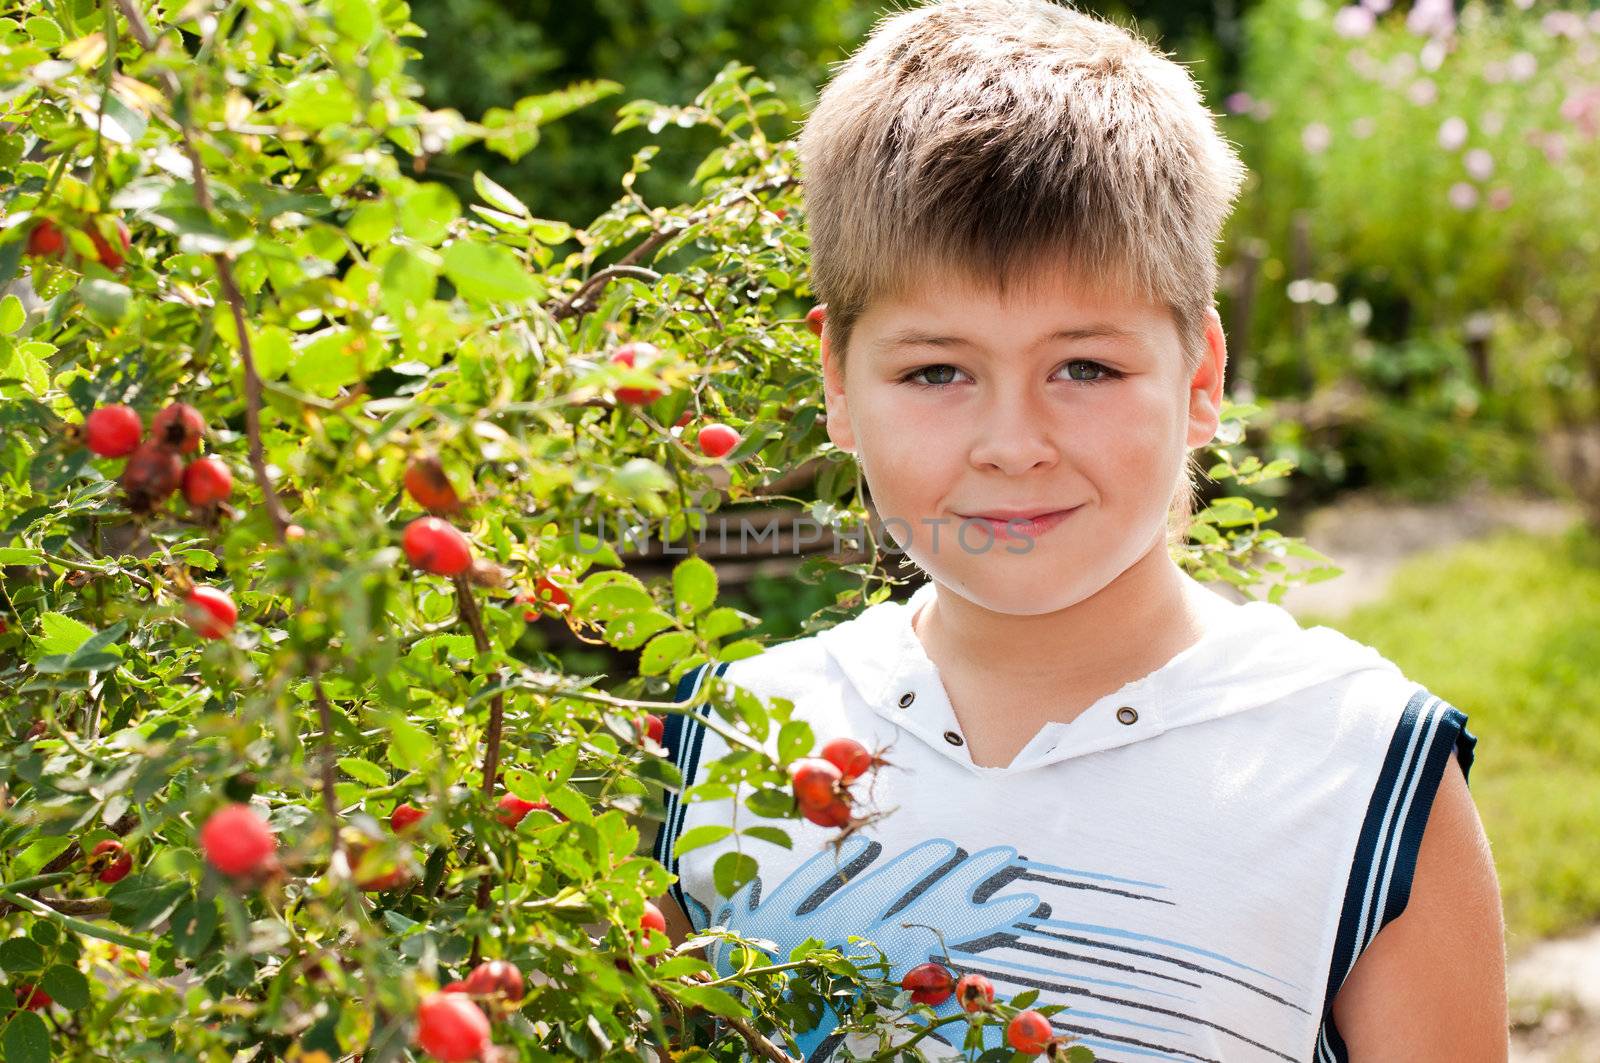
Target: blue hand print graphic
(831,898)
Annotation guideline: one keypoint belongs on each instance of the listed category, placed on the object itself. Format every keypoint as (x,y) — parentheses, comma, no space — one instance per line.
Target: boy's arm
(1431,988)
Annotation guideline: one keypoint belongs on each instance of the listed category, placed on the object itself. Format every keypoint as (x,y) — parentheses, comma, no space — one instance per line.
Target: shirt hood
(1251,655)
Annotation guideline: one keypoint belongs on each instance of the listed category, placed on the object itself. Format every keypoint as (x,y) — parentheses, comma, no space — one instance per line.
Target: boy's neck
(1052,666)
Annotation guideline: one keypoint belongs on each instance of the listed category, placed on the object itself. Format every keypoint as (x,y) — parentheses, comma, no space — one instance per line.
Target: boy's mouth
(1007,524)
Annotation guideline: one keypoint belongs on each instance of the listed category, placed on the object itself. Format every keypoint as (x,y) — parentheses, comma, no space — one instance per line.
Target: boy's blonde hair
(1003,140)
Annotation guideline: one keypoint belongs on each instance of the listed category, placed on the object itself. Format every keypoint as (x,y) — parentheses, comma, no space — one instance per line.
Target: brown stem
(628,266)
(581,301)
(468,604)
(325,714)
(230,288)
(68,856)
(759,1043)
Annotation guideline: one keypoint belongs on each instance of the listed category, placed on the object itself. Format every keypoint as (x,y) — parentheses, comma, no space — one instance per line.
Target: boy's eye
(1079,370)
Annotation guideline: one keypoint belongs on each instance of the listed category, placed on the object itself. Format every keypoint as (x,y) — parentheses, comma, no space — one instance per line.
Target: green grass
(1507,629)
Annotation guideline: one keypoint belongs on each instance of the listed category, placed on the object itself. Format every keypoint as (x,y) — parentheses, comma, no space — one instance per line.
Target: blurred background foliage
(1408,276)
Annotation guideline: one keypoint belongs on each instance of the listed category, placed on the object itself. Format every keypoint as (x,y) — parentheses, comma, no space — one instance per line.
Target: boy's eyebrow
(915,337)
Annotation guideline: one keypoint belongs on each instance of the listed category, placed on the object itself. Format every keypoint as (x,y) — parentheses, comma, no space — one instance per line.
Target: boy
(1187,819)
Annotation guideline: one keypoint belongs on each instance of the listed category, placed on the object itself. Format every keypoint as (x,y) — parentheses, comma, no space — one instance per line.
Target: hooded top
(1192,865)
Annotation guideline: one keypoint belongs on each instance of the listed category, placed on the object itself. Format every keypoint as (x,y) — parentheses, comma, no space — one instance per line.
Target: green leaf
(106,301)
(694,585)
(629,631)
(20,956)
(61,634)
(498,197)
(713,1000)
(193,924)
(427,212)
(27,1039)
(17,555)
(732,870)
(67,986)
(316,101)
(720,622)
(410,747)
(364,771)
(695,837)
(663,650)
(776,835)
(333,360)
(12,315)
(489,273)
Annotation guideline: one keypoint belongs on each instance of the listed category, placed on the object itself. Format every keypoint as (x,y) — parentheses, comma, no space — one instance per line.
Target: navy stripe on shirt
(1391,836)
(682,737)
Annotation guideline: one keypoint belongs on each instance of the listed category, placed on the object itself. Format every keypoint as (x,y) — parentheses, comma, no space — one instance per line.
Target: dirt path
(1554,985)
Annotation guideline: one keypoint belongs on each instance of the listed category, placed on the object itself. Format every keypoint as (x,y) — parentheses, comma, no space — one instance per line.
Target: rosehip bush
(411,411)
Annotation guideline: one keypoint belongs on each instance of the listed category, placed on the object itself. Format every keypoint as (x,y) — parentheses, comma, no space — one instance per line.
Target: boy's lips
(1003,515)
(1010,527)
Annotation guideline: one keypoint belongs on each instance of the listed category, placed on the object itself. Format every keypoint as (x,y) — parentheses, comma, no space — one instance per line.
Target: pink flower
(1582,109)
(1500,197)
(1353,22)
(1563,24)
(1432,18)
(1422,92)
(1463,196)
(1377,7)
(1522,66)
(1315,138)
(1453,133)
(1237,103)
(1480,164)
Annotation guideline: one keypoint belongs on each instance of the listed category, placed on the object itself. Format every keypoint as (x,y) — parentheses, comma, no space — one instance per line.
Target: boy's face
(1022,421)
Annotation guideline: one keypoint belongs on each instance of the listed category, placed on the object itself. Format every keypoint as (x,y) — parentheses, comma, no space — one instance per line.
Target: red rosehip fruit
(46,240)
(849,756)
(110,257)
(652,919)
(153,472)
(453,987)
(210,613)
(434,546)
(815,318)
(451,1028)
(294,533)
(628,354)
(179,425)
(387,881)
(512,809)
(1029,1032)
(683,418)
(496,978)
(835,813)
(405,816)
(110,861)
(429,487)
(113,431)
(929,983)
(206,481)
(974,992)
(717,440)
(815,781)
(652,727)
(237,841)
(545,590)
(32,997)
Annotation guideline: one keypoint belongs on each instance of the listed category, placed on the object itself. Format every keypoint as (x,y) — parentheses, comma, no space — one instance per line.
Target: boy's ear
(840,432)
(1205,387)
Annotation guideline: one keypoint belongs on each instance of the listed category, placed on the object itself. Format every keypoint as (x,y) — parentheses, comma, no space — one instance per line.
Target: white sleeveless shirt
(1192,865)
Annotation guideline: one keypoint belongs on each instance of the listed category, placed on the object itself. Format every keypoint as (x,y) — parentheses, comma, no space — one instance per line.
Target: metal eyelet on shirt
(907,698)
(953,738)
(1128,715)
